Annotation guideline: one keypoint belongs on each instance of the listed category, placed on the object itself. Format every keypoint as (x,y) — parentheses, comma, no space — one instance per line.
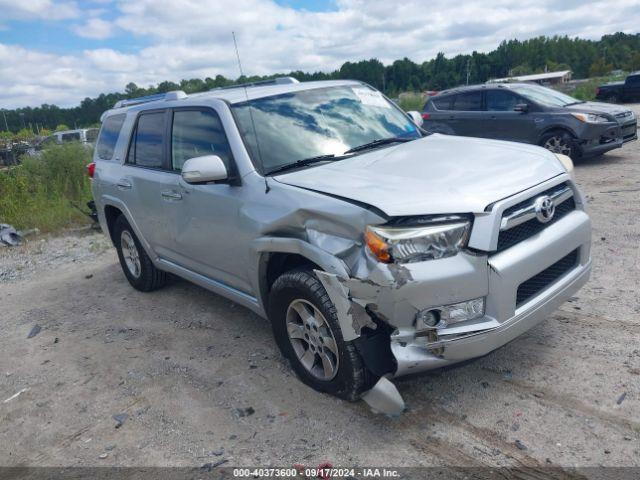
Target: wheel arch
(278,255)
(557,128)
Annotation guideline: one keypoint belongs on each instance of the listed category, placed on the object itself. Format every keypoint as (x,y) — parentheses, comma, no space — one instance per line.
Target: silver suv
(375,249)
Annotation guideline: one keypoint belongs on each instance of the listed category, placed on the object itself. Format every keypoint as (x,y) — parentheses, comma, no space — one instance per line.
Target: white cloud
(188,38)
(95,28)
(38,9)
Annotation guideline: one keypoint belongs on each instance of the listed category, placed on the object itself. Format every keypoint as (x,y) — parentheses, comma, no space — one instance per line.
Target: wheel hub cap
(130,254)
(312,339)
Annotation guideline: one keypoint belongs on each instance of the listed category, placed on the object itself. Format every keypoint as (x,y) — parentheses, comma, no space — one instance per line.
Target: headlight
(591,118)
(566,162)
(417,244)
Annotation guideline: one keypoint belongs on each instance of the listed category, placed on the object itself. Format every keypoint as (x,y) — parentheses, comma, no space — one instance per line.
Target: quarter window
(442,103)
(147,145)
(468,102)
(501,101)
(197,133)
(109,134)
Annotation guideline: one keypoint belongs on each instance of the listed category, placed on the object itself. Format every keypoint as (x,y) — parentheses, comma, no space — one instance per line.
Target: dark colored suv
(529,113)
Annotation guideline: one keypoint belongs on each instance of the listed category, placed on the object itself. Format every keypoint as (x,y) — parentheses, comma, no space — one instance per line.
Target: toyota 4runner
(375,249)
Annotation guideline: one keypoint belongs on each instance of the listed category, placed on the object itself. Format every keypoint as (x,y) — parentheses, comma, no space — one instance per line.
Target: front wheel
(559,142)
(307,331)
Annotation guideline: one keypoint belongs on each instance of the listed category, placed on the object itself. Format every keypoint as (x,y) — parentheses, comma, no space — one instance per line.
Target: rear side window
(147,145)
(109,134)
(468,102)
(634,80)
(443,103)
(70,137)
(501,101)
(196,133)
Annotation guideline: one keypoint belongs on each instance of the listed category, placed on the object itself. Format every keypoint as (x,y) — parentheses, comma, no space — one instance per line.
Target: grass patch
(411,101)
(40,193)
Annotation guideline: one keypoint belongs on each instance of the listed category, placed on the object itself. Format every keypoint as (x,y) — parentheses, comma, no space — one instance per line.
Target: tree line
(586,58)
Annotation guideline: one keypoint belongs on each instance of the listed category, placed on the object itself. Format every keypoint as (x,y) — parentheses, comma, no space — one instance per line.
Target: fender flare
(265,246)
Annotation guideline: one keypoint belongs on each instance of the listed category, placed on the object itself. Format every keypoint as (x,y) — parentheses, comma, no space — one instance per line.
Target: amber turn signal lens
(377,246)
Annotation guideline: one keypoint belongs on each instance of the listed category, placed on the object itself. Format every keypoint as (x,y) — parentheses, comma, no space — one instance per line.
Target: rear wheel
(558,142)
(307,331)
(135,263)
(613,98)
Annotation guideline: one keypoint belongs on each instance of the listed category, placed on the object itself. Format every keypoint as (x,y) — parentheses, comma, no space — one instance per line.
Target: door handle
(171,195)
(124,184)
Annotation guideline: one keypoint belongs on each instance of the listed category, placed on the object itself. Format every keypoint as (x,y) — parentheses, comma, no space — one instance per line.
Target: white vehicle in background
(85,135)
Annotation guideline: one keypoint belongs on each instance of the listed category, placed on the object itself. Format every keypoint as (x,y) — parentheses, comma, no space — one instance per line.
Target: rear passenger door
(467,117)
(504,123)
(147,186)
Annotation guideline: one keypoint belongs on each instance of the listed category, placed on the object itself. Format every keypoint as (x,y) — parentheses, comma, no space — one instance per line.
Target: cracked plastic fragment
(384,398)
(352,314)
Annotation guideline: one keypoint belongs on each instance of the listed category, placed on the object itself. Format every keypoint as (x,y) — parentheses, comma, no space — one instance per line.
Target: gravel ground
(200,379)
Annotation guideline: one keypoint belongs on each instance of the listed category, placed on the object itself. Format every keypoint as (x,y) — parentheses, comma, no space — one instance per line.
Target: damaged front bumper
(385,303)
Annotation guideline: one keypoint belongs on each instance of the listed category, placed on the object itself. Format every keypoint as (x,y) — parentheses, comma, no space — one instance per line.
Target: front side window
(147,145)
(633,80)
(501,101)
(108,137)
(280,130)
(468,102)
(196,133)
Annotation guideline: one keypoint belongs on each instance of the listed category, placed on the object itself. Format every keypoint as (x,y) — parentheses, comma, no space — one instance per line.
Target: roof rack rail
(272,81)
(173,95)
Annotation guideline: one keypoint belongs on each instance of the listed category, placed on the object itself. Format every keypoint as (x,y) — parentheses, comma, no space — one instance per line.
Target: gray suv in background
(529,113)
(374,249)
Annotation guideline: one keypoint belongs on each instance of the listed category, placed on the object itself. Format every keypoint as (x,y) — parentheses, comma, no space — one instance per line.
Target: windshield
(324,121)
(544,96)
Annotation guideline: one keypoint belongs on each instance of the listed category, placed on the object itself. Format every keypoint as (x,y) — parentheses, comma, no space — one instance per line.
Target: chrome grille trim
(527,213)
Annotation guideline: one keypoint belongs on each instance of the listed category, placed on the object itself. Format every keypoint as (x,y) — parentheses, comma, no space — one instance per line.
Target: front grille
(542,280)
(515,235)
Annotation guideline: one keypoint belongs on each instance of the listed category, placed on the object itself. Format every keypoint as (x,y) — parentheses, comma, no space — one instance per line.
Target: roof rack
(174,95)
(273,81)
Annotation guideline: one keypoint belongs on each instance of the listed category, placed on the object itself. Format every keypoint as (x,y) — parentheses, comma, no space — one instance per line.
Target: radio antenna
(253,124)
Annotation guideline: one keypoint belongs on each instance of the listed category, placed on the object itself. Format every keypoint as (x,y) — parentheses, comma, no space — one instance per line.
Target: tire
(613,98)
(559,141)
(135,263)
(301,289)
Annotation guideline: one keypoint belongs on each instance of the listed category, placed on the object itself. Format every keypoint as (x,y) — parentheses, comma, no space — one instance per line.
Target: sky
(61,51)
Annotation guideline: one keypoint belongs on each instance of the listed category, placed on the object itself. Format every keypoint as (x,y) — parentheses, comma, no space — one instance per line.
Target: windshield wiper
(574,103)
(381,141)
(305,162)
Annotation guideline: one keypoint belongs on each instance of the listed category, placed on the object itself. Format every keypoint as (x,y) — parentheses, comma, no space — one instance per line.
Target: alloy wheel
(130,253)
(312,339)
(558,144)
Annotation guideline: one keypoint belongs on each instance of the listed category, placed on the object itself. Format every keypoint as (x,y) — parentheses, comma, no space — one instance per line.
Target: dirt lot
(200,379)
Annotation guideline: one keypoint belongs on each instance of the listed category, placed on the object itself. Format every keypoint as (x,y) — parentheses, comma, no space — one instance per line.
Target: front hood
(433,175)
(597,107)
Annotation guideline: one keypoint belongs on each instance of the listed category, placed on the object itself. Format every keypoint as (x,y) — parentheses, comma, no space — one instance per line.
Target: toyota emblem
(545,208)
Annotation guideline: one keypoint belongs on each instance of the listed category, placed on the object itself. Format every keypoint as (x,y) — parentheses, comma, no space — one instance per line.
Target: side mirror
(208,168)
(521,107)
(416,117)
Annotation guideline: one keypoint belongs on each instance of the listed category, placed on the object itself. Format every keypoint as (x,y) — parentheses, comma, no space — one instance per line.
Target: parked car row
(530,113)
(374,248)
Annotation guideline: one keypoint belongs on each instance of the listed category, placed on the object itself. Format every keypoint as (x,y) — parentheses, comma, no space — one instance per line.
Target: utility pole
(6,125)
(468,69)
